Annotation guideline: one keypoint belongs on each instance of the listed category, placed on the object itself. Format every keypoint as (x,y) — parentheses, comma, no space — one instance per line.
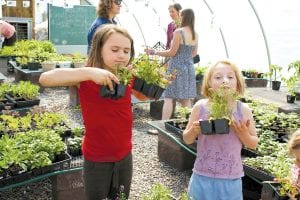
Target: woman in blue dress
(183,48)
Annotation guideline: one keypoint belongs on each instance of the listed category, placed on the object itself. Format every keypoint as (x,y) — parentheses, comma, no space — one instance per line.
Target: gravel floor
(147,168)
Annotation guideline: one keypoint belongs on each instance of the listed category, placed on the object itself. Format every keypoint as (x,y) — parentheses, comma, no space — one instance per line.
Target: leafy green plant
(220,102)
(151,71)
(274,72)
(183,112)
(200,70)
(26,90)
(290,84)
(158,192)
(124,74)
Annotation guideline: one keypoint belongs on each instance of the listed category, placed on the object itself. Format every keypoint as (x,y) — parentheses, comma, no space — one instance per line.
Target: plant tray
(249,153)
(257,173)
(21,103)
(169,125)
(270,192)
(62,163)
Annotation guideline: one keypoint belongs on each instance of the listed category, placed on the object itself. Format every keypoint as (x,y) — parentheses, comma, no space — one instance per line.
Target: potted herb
(220,111)
(274,75)
(150,76)
(124,75)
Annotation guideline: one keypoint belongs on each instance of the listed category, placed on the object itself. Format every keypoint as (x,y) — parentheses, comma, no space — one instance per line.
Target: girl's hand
(240,127)
(149,51)
(103,77)
(196,127)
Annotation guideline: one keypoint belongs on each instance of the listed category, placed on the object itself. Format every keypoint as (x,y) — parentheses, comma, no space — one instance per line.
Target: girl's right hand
(103,77)
(196,127)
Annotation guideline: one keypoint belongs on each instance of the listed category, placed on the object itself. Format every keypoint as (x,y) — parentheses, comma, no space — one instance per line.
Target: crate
(170,152)
(269,192)
(68,186)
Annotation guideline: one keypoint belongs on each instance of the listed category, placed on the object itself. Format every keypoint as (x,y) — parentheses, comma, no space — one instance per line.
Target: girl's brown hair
(104,7)
(100,37)
(294,142)
(188,19)
(208,75)
(176,6)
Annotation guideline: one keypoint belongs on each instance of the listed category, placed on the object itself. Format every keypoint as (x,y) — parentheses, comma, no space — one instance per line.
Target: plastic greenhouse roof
(243,31)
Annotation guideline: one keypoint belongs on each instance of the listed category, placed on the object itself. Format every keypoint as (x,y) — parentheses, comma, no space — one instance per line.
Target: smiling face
(174,14)
(116,51)
(223,74)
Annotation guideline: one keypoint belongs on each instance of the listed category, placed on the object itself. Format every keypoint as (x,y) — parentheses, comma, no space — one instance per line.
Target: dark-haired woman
(106,12)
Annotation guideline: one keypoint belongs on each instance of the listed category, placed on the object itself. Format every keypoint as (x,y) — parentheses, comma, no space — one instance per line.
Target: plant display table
(28,75)
(172,150)
(256,82)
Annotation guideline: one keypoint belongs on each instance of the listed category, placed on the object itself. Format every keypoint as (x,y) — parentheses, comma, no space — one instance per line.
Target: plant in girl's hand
(220,111)
(124,74)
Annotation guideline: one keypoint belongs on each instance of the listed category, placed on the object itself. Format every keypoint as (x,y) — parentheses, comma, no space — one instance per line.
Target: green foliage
(25,89)
(124,74)
(158,192)
(182,112)
(220,102)
(200,70)
(274,72)
(151,71)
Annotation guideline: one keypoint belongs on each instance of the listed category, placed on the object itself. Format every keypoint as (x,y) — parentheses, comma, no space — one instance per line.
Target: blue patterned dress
(184,86)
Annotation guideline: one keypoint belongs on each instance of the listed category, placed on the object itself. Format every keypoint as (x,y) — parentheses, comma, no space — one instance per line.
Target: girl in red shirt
(108,122)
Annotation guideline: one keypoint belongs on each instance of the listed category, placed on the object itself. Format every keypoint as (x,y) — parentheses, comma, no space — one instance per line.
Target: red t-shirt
(108,124)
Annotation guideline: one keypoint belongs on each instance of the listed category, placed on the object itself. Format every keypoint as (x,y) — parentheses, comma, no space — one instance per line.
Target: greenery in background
(274,72)
(200,70)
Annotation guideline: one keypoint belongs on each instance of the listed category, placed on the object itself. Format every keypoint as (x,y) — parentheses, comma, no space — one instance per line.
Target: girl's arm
(245,129)
(71,76)
(192,129)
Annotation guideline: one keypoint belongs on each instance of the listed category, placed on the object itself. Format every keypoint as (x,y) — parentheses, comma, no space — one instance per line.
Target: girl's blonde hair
(99,39)
(294,142)
(208,75)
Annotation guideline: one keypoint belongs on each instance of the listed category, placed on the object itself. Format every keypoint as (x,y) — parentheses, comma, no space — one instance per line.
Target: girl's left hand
(240,126)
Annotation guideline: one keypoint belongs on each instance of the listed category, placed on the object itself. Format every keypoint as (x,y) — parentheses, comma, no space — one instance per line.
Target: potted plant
(150,77)
(274,75)
(124,75)
(78,60)
(290,83)
(220,111)
(199,72)
(295,68)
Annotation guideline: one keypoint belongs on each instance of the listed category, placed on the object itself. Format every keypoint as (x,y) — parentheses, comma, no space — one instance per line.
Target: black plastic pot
(290,98)
(221,126)
(33,65)
(206,127)
(138,84)
(106,92)
(120,91)
(276,85)
(159,92)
